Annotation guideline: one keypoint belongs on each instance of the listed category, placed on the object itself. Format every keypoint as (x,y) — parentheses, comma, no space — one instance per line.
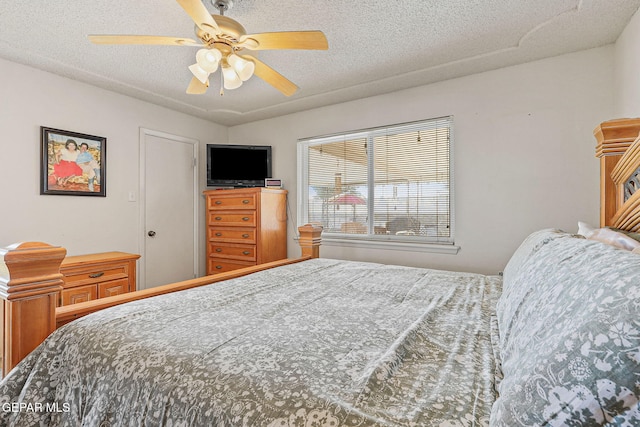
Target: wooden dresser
(89,277)
(245,227)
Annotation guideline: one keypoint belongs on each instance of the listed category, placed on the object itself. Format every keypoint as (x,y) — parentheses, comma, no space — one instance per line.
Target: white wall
(523,153)
(523,157)
(627,70)
(30,98)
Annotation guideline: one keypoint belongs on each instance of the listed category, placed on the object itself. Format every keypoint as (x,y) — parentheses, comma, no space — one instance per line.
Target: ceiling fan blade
(312,40)
(271,76)
(128,39)
(200,15)
(196,87)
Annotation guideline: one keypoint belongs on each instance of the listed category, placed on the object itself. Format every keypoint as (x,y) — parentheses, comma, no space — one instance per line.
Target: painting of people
(72,163)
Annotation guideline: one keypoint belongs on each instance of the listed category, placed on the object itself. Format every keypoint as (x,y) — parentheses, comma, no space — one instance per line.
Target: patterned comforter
(318,343)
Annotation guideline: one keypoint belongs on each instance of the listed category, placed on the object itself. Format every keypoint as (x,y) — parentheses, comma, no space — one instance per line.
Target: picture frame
(69,170)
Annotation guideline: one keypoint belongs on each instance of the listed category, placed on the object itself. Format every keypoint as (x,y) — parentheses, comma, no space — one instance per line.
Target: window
(385,184)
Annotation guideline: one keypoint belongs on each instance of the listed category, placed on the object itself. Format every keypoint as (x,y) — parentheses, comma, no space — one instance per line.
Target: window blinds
(385,183)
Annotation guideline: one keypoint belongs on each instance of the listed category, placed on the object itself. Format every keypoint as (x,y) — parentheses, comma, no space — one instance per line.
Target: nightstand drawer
(232,235)
(94,274)
(233,218)
(231,251)
(217,265)
(78,294)
(113,287)
(238,201)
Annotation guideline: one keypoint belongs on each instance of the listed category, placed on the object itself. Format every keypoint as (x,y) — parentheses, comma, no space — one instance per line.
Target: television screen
(238,165)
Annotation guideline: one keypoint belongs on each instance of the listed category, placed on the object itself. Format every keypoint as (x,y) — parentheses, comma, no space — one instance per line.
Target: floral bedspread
(318,343)
(569,321)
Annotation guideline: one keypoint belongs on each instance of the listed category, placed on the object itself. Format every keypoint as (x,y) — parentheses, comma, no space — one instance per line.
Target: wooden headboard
(619,151)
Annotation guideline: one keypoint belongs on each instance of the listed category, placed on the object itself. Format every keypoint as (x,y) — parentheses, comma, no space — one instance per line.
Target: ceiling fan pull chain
(221,84)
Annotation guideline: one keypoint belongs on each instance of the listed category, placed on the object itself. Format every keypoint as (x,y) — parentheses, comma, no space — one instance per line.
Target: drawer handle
(218,249)
(246,218)
(95,275)
(218,218)
(246,252)
(246,202)
(246,236)
(218,234)
(218,267)
(218,202)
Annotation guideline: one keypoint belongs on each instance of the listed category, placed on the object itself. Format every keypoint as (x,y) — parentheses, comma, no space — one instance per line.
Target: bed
(310,342)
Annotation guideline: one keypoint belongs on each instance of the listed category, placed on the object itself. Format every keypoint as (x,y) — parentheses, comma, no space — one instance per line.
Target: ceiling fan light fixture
(208,59)
(231,78)
(242,67)
(221,42)
(199,73)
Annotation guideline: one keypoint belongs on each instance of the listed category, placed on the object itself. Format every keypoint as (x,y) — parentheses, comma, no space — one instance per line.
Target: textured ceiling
(374,46)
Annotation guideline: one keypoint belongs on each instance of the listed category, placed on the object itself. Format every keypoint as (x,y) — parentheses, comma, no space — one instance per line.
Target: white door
(169,205)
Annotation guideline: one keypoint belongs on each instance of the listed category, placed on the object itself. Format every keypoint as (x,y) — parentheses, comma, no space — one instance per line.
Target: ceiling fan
(222,43)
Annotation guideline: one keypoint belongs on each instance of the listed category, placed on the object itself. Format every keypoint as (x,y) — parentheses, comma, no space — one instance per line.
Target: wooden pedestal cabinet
(245,227)
(89,277)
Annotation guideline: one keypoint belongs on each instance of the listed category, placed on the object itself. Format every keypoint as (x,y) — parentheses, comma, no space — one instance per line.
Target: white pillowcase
(608,236)
(585,229)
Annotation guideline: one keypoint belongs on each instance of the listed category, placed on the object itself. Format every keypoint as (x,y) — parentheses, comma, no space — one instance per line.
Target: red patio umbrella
(348,199)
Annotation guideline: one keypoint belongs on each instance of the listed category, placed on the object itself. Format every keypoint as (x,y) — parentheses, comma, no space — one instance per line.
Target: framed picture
(72,163)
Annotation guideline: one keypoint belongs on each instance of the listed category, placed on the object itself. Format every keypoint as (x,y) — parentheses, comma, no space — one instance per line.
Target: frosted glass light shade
(208,59)
(199,73)
(231,78)
(242,67)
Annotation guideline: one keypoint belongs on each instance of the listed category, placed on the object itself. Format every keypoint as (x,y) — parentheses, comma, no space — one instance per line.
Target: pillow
(515,286)
(614,238)
(569,335)
(527,248)
(608,236)
(585,229)
(634,236)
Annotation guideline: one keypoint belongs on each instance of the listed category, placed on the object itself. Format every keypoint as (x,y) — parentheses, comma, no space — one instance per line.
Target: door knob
(151,233)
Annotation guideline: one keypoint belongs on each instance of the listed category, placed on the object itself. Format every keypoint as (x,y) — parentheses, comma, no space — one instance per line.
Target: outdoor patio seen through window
(389,183)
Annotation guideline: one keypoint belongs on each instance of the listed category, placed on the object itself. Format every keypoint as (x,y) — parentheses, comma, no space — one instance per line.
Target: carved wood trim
(30,283)
(613,138)
(627,166)
(627,216)
(310,240)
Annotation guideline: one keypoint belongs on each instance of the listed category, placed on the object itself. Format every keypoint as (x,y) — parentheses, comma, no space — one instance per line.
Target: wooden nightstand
(89,277)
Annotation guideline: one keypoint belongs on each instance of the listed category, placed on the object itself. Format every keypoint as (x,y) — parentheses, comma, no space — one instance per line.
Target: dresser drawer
(232,235)
(247,218)
(86,275)
(78,294)
(113,287)
(231,251)
(236,201)
(245,226)
(217,265)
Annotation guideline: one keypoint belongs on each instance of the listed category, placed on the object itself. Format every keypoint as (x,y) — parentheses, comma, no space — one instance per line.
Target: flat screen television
(238,165)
